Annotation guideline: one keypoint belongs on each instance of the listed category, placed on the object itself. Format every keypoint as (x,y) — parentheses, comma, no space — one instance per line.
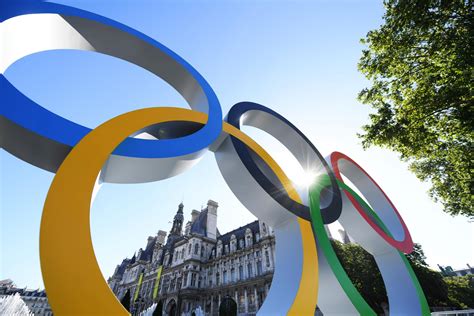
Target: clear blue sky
(297,57)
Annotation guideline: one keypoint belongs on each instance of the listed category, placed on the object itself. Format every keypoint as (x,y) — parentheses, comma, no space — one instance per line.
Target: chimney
(194,215)
(161,237)
(211,224)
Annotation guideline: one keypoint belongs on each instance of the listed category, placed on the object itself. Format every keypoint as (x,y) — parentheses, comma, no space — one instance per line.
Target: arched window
(259,267)
(249,270)
(232,275)
(202,251)
(241,272)
(196,249)
(193,279)
(189,249)
(248,237)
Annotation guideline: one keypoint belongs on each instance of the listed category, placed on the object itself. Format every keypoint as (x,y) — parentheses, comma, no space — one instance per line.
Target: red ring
(406,245)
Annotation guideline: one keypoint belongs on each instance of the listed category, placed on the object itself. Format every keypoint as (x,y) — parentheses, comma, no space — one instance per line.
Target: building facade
(197,267)
(449,271)
(36,300)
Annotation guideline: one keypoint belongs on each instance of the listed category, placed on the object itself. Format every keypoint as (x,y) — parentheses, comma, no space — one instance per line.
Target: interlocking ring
(37,26)
(258,116)
(83,158)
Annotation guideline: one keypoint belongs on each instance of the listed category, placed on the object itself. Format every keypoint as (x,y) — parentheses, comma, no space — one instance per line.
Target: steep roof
(147,254)
(240,232)
(199,226)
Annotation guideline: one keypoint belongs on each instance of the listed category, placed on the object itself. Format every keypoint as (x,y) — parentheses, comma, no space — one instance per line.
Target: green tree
(420,64)
(461,291)
(417,256)
(432,282)
(361,268)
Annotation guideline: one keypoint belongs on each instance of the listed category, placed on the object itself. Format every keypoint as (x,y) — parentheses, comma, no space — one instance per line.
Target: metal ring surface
(263,118)
(72,190)
(340,295)
(34,26)
(344,165)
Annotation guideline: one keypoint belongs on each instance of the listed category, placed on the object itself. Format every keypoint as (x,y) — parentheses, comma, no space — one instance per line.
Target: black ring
(267,178)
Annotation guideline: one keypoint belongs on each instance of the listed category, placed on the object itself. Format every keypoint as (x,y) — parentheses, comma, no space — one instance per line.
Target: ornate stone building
(199,267)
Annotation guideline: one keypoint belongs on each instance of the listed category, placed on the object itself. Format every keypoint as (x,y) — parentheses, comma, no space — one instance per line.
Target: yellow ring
(73,280)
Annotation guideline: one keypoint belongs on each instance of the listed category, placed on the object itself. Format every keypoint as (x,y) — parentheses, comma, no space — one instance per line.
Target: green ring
(323,241)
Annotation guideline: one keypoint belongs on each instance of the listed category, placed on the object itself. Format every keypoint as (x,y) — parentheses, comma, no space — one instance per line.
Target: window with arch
(259,267)
(196,249)
(249,240)
(241,272)
(249,270)
(193,279)
(232,275)
(189,249)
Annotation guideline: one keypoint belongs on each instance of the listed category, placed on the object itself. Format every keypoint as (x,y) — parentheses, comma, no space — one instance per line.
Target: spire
(178,220)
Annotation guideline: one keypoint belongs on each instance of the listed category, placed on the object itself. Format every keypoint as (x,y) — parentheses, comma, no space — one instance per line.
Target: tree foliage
(417,256)
(444,292)
(432,283)
(461,291)
(361,268)
(420,64)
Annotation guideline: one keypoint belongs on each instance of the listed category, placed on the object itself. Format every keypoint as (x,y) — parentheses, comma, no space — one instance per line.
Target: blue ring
(19,109)
(274,187)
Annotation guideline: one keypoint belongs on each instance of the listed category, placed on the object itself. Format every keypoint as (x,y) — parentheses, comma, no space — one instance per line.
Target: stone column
(246,301)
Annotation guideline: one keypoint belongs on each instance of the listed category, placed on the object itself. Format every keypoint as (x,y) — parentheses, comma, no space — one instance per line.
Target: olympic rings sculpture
(307,271)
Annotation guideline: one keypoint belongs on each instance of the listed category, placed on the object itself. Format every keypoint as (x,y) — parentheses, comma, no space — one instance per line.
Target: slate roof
(199,226)
(239,234)
(147,254)
(123,266)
